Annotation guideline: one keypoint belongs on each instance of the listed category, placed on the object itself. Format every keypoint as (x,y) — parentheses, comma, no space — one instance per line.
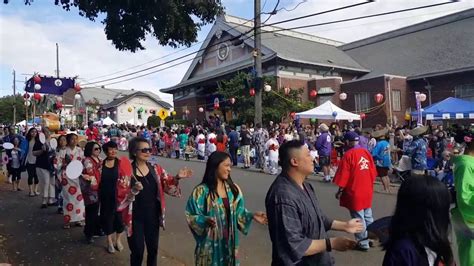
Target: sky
(28,37)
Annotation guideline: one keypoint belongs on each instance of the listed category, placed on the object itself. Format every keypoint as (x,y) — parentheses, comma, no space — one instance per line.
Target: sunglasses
(145,150)
(97,149)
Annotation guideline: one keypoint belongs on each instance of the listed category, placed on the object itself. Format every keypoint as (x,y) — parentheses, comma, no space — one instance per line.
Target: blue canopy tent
(449,108)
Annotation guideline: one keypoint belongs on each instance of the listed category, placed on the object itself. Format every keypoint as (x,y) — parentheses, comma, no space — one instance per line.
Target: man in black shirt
(245,139)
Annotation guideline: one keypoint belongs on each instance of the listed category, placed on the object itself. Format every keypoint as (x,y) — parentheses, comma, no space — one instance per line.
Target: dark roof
(441,45)
(120,100)
(305,50)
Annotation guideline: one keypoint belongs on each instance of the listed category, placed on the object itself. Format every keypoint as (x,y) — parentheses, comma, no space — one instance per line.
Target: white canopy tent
(106,121)
(22,123)
(327,111)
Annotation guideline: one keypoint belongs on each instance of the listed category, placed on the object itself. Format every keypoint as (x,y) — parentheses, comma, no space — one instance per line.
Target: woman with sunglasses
(142,202)
(90,181)
(111,220)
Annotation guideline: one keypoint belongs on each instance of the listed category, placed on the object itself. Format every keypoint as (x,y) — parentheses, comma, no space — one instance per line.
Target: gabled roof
(441,45)
(286,45)
(106,95)
(120,100)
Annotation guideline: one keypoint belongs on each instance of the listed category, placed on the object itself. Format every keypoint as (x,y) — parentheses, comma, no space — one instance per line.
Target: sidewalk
(33,236)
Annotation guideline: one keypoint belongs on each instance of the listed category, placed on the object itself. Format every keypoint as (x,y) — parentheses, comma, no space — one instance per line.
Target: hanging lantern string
(371,109)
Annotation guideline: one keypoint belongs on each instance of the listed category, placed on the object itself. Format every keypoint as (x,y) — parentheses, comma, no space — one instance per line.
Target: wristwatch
(328,245)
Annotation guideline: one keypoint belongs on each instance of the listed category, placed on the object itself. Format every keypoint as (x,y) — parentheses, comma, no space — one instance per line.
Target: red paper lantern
(287,90)
(313,93)
(232,100)
(26,95)
(378,97)
(362,115)
(36,79)
(252,92)
(77,87)
(37,96)
(187,112)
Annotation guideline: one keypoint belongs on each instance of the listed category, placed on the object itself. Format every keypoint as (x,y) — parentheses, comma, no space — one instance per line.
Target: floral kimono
(73,202)
(212,247)
(166,184)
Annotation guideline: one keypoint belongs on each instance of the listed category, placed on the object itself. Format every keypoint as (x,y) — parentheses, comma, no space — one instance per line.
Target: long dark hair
(422,215)
(210,177)
(28,135)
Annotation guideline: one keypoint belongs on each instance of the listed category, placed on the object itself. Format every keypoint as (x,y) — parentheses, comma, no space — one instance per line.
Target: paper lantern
(201,109)
(37,87)
(267,88)
(232,100)
(313,93)
(287,90)
(77,96)
(130,109)
(422,97)
(187,112)
(37,79)
(77,87)
(378,97)
(363,115)
(292,115)
(334,114)
(37,96)
(27,103)
(407,117)
(115,112)
(252,92)
(26,95)
(350,120)
(343,96)
(173,113)
(140,109)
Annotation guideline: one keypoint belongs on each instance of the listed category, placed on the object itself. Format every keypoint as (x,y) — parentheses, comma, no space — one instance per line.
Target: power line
(232,39)
(247,37)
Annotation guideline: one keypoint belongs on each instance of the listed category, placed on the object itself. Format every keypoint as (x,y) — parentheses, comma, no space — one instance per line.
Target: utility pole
(14,97)
(57,60)
(258,62)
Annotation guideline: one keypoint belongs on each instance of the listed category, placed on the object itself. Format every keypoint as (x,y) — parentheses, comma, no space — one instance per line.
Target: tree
(276,105)
(128,22)
(153,121)
(6,109)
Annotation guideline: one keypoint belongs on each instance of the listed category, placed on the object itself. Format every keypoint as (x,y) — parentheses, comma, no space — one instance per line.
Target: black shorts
(112,223)
(16,174)
(324,161)
(382,171)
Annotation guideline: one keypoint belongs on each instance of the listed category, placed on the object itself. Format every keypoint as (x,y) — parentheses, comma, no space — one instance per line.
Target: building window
(362,101)
(465,92)
(324,98)
(140,115)
(396,101)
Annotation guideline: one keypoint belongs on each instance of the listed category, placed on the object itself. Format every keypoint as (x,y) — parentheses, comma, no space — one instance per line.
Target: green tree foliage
(128,22)
(276,105)
(6,109)
(153,121)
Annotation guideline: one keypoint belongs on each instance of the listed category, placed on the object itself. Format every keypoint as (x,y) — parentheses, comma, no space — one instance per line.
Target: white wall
(123,115)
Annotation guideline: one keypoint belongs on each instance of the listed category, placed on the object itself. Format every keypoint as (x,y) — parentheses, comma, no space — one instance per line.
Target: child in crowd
(314,154)
(15,164)
(189,150)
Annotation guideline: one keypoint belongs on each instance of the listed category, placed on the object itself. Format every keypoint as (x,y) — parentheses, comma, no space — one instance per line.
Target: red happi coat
(356,175)
(166,184)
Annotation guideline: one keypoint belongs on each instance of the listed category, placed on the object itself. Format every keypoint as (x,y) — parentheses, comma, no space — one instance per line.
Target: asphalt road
(33,236)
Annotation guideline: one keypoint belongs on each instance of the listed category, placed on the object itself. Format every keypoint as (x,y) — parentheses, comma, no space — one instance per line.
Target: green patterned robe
(211,247)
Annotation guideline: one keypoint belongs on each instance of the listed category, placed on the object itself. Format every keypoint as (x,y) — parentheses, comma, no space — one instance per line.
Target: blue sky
(28,35)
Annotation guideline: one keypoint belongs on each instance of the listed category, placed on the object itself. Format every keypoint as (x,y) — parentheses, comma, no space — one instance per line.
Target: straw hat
(418,130)
(323,127)
(379,133)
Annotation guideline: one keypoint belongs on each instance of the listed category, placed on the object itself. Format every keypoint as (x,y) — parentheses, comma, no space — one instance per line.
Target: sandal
(67,226)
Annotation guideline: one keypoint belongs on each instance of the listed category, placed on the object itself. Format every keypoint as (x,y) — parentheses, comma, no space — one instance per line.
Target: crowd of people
(108,200)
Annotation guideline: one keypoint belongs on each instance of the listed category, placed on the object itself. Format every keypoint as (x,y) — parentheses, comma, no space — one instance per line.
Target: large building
(435,57)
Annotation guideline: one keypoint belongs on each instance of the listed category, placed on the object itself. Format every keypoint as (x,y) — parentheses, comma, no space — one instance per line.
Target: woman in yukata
(216,211)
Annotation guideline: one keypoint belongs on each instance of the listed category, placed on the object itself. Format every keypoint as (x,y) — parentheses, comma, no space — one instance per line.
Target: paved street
(35,237)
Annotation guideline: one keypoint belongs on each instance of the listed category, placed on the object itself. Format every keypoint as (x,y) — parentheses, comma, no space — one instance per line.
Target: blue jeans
(366,217)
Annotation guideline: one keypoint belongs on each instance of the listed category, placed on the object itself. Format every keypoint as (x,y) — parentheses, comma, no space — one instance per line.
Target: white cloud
(359,29)
(29,46)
